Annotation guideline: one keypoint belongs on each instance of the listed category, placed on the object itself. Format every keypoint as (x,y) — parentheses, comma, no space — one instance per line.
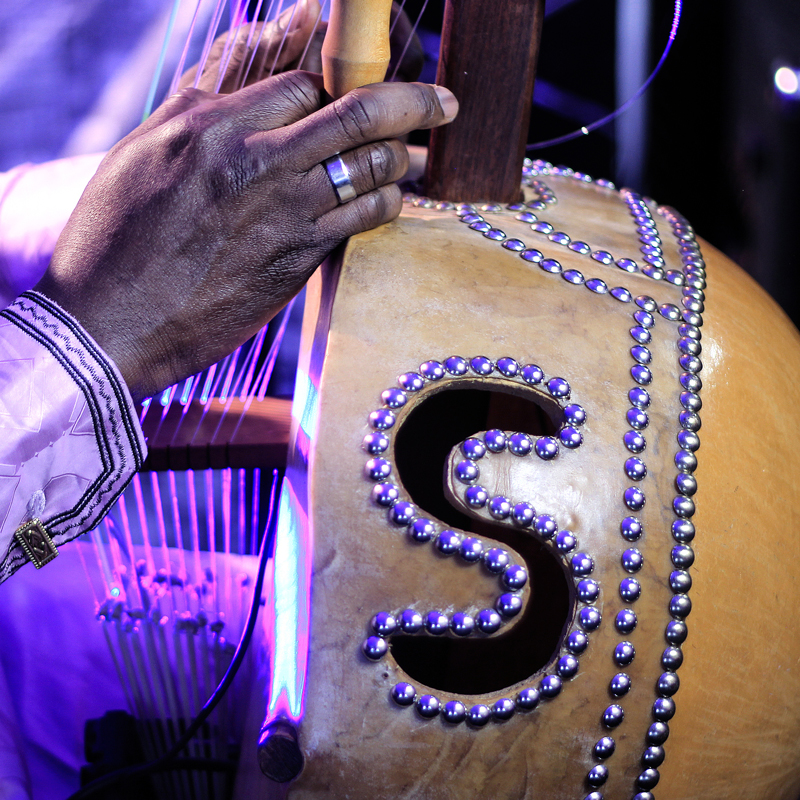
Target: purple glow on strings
(587,129)
(291,596)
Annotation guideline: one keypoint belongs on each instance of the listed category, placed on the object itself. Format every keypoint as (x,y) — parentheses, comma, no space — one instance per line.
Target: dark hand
(201,224)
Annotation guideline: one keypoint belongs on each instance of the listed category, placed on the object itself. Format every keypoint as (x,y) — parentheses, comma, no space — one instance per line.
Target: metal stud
(648,779)
(588,591)
(598,775)
(519,444)
(403,694)
(577,642)
(624,653)
(689,421)
(532,374)
(515,577)
(668,684)
(559,237)
(454,712)
(635,469)
(432,370)
(625,621)
(672,659)
(428,706)
(550,686)
(571,438)
(688,440)
(634,498)
(597,286)
(657,733)
(641,374)
(644,318)
(620,685)
(462,624)
(528,699)
(641,354)
(479,715)
(509,605)
(448,542)
(471,549)
(622,294)
(476,496)
(499,507)
(685,461)
(582,565)
(680,606)
(691,382)
(551,265)
(394,398)
(573,276)
(402,513)
(488,621)
(374,648)
(473,448)
(613,716)
(653,757)
(481,365)
(385,494)
(496,560)
(495,440)
(682,556)
(603,257)
(384,624)
(467,472)
(522,514)
(589,619)
(514,244)
(375,443)
(411,621)
(566,542)
(456,365)
(683,507)
(382,419)
(377,469)
(545,526)
(641,334)
(503,709)
(507,366)
(630,590)
(664,709)
(436,623)
(632,560)
(604,748)
(676,632)
(532,254)
(631,529)
(558,388)
(546,448)
(628,264)
(574,414)
(542,227)
(634,441)
(580,247)
(422,530)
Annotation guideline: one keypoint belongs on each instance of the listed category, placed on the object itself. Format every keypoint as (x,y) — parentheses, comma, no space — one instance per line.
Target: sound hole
(478,664)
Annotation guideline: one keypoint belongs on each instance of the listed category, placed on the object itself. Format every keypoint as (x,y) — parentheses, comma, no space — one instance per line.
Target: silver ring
(340,178)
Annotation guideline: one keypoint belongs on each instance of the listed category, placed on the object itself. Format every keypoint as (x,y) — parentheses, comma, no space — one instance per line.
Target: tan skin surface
(201,224)
(736,724)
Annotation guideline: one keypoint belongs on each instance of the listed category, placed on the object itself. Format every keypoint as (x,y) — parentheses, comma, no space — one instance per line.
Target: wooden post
(488,60)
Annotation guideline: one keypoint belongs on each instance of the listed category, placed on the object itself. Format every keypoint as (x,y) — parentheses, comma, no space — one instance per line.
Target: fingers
(374,208)
(255,50)
(369,114)
(370,167)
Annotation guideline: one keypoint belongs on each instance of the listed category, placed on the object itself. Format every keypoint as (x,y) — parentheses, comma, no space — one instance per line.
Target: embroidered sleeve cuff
(70,440)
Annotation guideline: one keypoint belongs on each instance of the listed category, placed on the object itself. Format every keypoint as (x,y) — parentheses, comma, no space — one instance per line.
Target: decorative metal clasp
(36,542)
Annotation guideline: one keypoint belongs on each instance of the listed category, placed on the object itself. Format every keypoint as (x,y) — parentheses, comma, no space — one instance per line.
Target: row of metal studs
(694,277)
(648,236)
(470,548)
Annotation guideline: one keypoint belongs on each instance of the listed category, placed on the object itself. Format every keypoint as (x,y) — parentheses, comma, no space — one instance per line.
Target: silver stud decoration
(657,229)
